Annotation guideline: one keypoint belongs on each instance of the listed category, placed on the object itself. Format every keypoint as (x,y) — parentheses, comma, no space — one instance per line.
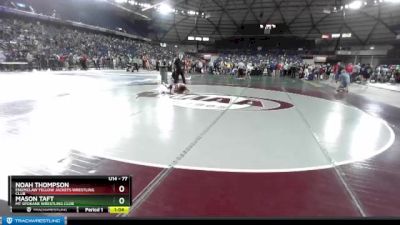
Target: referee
(179,70)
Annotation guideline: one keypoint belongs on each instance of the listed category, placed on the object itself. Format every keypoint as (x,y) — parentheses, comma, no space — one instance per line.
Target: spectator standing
(2,56)
(344,79)
(241,69)
(179,69)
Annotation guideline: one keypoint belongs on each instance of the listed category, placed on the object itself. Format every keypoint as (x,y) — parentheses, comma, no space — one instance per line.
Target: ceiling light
(326,11)
(206,39)
(346,35)
(165,9)
(355,5)
(335,35)
(198,38)
(326,36)
(191,38)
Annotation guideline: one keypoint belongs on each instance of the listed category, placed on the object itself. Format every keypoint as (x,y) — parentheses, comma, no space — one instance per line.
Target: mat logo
(222,102)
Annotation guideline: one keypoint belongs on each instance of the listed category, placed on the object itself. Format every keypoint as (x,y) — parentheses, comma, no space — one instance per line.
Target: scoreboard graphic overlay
(70,194)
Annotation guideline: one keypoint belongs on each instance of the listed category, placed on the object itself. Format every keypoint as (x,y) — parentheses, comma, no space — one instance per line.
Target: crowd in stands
(256,64)
(277,65)
(360,73)
(51,46)
(48,46)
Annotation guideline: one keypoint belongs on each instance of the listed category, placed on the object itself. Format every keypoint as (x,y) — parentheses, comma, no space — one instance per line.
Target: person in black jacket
(178,70)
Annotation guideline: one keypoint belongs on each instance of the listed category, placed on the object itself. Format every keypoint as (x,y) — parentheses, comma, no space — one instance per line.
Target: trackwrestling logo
(220,102)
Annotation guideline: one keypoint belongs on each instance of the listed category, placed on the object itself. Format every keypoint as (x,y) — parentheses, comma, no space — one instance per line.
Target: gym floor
(256,147)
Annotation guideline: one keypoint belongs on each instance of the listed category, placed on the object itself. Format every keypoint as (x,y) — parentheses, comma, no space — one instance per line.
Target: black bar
(72,180)
(9,190)
(66,178)
(86,210)
(112,201)
(44,209)
(244,220)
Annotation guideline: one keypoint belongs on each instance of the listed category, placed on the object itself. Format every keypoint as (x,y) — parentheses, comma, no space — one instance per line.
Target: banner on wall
(320,59)
(363,52)
(309,61)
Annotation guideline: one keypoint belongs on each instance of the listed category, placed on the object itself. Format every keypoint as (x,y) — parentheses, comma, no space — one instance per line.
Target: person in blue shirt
(344,79)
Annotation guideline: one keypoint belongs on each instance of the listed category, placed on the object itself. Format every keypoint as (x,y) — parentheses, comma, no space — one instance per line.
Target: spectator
(29,59)
(48,42)
(344,79)
(2,56)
